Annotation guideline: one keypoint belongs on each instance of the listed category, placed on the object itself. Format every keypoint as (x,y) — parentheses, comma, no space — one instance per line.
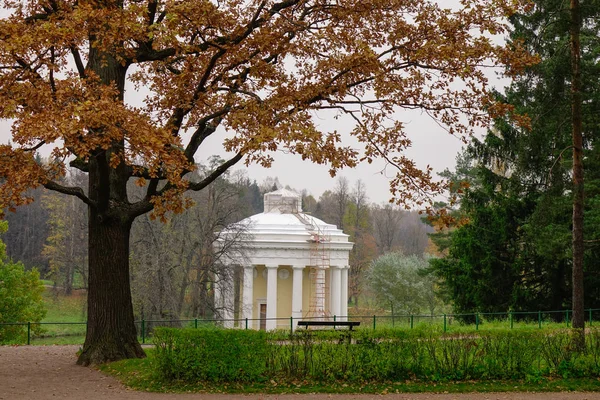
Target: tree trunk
(111,332)
(68,286)
(578,305)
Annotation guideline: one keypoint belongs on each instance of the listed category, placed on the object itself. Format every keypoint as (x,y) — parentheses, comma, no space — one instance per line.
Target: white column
(218,293)
(330,276)
(271,296)
(248,294)
(344,293)
(228,297)
(297,293)
(336,280)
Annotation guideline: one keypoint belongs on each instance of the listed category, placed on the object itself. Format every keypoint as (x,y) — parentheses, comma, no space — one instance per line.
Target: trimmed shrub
(214,355)
(367,355)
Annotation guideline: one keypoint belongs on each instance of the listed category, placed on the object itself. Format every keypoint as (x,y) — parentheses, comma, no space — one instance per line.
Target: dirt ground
(49,372)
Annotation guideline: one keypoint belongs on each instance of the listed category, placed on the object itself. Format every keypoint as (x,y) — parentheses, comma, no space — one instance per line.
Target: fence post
(567,317)
(28,333)
(143,331)
(590,317)
(510,316)
(540,319)
(292,324)
(444,323)
(246,323)
(411,321)
(196,323)
(334,319)
(476,321)
(374,323)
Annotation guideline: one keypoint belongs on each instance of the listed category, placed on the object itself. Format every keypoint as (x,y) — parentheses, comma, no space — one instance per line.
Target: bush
(367,355)
(20,298)
(214,355)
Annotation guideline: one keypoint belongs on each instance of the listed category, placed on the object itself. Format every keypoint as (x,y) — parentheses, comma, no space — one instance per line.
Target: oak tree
(257,73)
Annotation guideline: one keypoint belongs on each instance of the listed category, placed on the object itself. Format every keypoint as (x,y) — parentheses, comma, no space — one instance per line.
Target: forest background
(173,263)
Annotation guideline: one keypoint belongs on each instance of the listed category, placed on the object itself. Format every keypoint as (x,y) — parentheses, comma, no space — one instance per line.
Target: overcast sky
(431,146)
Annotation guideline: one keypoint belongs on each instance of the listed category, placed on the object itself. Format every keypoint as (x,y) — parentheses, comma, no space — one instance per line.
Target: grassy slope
(63,308)
(63,322)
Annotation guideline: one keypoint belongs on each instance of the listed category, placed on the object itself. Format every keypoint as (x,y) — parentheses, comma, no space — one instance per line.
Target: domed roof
(284,221)
(292,226)
(284,235)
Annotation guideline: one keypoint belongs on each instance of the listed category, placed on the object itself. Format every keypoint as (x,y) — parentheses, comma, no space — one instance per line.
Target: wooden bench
(349,324)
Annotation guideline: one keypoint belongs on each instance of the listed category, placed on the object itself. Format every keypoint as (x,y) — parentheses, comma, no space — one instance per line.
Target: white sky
(432,145)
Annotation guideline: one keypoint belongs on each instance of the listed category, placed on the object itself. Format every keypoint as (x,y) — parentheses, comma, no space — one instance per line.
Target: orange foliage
(259,70)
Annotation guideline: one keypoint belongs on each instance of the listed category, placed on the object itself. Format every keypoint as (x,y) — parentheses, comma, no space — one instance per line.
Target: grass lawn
(59,340)
(453,325)
(65,321)
(139,374)
(63,308)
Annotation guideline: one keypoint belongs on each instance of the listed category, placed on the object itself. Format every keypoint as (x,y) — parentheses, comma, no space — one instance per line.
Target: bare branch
(36,147)
(69,190)
(220,170)
(145,205)
(206,127)
(152,6)
(152,186)
(78,61)
(81,165)
(559,158)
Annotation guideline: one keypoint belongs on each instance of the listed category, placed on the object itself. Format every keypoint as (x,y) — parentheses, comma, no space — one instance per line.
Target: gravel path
(49,372)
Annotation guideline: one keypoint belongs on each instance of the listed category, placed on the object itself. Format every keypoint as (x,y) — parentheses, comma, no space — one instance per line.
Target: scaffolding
(320,254)
(319,263)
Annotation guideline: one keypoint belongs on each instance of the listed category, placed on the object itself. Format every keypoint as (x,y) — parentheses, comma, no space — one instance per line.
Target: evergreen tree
(516,252)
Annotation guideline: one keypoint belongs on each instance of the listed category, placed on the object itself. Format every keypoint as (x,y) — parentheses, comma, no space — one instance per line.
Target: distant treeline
(173,264)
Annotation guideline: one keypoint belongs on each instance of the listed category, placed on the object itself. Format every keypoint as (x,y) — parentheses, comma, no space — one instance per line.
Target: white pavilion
(294,265)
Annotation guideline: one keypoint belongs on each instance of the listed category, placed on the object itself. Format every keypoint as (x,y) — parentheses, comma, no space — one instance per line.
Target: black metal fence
(74,332)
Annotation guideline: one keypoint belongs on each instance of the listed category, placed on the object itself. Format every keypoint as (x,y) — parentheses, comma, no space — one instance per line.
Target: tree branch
(204,130)
(69,190)
(145,205)
(34,148)
(220,170)
(78,61)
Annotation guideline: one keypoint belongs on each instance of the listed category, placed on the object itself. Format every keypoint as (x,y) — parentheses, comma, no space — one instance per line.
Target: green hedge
(365,355)
(210,354)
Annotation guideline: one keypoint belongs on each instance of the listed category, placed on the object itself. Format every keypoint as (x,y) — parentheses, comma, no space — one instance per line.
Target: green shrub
(20,298)
(509,354)
(367,355)
(214,355)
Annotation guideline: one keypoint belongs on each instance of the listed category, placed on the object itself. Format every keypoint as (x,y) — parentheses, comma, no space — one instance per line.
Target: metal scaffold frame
(319,263)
